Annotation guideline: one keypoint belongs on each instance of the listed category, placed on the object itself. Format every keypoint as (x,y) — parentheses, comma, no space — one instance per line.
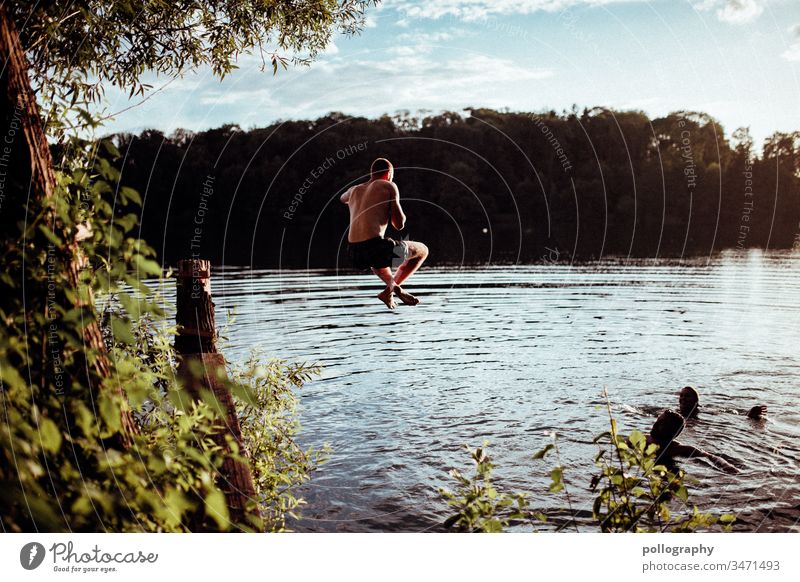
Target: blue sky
(738,60)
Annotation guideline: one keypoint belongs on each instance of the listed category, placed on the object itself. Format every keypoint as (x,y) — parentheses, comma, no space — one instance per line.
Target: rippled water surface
(507,354)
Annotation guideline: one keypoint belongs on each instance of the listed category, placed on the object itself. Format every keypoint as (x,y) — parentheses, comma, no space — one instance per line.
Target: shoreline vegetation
(98,432)
(636,491)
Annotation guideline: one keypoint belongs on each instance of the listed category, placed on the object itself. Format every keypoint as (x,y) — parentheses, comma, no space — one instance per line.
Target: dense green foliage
(269,426)
(487,185)
(62,468)
(68,462)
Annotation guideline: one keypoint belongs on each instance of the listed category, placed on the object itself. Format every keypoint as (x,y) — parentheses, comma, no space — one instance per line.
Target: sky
(738,60)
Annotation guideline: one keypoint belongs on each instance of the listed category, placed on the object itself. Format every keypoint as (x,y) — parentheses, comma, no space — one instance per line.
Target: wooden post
(196,342)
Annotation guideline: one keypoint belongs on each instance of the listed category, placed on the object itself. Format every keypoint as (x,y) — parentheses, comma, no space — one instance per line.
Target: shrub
(269,427)
(478,505)
(634,493)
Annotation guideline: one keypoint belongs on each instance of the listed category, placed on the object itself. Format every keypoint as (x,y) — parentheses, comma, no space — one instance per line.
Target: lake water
(509,354)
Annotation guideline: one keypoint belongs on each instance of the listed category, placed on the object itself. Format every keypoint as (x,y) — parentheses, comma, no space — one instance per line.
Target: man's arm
(689,451)
(397,214)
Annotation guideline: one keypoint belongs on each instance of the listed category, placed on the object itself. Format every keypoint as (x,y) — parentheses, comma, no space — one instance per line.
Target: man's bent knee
(417,250)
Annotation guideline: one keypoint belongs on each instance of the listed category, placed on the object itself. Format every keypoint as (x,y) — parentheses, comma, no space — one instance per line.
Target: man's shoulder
(382,186)
(357,189)
(379,187)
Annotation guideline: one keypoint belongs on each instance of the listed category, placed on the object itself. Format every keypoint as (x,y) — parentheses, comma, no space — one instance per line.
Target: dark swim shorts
(377,252)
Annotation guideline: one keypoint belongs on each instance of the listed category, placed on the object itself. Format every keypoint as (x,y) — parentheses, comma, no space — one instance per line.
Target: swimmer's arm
(758,411)
(398,216)
(345,198)
(689,451)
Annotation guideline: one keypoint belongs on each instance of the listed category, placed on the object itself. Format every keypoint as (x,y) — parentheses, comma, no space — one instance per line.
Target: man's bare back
(373,206)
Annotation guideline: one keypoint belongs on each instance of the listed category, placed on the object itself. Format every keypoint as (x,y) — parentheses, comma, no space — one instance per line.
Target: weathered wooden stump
(196,342)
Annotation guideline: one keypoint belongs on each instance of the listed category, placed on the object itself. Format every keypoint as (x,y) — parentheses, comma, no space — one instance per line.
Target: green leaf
(10,377)
(129,195)
(127,222)
(244,393)
(111,148)
(131,305)
(147,266)
(177,502)
(50,435)
(110,412)
(541,453)
(637,439)
(556,476)
(82,505)
(121,329)
(217,509)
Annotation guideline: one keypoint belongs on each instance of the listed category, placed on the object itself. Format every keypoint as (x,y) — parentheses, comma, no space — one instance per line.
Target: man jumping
(373,205)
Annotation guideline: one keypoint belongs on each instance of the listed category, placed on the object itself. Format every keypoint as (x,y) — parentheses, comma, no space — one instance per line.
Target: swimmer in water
(666,429)
(689,405)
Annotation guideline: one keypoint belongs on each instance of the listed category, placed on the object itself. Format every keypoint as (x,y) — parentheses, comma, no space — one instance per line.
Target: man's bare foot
(387,296)
(404,296)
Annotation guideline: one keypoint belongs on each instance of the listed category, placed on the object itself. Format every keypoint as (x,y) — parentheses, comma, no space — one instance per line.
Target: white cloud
(733,11)
(740,11)
(384,81)
(403,50)
(730,11)
(331,49)
(480,9)
(419,37)
(418,81)
(792,53)
(418,42)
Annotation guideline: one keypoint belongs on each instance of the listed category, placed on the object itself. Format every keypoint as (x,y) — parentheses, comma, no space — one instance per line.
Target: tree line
(478,186)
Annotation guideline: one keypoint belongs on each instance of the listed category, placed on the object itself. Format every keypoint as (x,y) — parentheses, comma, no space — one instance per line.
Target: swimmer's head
(667,427)
(689,401)
(381,169)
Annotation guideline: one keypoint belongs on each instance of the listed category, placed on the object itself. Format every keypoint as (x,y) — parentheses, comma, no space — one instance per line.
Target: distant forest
(479,186)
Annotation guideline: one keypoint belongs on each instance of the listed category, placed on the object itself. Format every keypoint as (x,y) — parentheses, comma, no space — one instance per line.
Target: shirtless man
(373,205)
(664,433)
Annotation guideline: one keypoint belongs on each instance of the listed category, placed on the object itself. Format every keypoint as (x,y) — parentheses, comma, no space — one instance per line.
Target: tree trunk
(31,169)
(196,342)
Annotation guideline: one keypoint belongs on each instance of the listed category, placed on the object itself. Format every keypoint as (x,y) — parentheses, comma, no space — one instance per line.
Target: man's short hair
(667,427)
(379,167)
